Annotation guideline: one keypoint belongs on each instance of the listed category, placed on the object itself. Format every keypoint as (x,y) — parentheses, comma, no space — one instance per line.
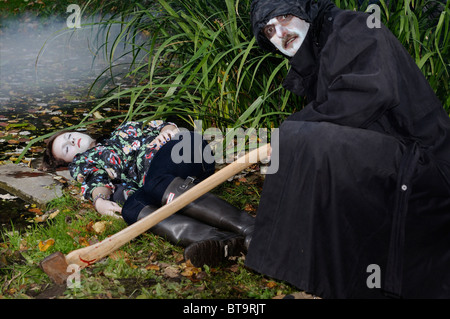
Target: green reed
(198,60)
(202,62)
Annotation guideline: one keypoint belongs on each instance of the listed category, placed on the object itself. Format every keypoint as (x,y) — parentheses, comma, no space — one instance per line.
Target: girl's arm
(102,204)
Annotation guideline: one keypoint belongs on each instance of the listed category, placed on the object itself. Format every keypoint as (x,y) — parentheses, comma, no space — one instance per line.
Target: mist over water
(46,70)
(42,58)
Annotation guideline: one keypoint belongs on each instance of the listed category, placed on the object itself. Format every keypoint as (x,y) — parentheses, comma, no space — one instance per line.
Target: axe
(56,265)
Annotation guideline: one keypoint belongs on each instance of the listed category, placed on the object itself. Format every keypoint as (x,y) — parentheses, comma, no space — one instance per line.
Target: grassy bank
(199,59)
(147,267)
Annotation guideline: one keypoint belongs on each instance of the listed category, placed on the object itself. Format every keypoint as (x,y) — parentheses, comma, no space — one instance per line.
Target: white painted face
(69,144)
(287,33)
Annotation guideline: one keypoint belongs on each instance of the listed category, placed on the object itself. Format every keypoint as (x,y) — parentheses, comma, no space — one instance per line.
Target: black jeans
(187,154)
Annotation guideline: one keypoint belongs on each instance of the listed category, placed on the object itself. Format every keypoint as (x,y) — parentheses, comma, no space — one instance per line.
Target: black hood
(309,10)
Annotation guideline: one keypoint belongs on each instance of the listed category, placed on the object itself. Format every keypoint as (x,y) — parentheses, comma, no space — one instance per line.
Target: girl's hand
(108,208)
(164,137)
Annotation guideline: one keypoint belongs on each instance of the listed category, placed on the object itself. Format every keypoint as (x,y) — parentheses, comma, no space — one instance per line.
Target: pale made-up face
(287,33)
(69,144)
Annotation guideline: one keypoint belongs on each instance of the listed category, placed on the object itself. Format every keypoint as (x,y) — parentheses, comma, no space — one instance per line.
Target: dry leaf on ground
(171,272)
(46,244)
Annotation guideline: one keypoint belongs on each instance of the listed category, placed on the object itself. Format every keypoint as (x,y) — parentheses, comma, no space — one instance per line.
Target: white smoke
(45,56)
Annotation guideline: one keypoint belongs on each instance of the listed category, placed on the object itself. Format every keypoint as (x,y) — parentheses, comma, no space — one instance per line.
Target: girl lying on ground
(135,168)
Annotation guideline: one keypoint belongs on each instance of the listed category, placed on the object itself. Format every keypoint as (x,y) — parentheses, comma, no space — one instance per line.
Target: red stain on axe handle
(88,262)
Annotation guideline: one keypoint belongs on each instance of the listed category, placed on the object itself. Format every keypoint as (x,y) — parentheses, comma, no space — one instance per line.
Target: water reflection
(14,213)
(46,71)
(45,58)
(45,76)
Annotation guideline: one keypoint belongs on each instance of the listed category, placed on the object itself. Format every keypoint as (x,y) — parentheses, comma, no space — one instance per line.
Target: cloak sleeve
(357,79)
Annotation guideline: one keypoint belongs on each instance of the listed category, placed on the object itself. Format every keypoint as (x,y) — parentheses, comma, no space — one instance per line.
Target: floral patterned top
(123,159)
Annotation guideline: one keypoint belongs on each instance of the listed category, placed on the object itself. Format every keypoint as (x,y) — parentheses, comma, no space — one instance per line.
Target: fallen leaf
(171,272)
(60,179)
(99,227)
(23,245)
(89,226)
(271,284)
(234,268)
(36,211)
(190,271)
(40,219)
(178,257)
(46,244)
(54,214)
(152,267)
(36,149)
(97,115)
(83,241)
(249,207)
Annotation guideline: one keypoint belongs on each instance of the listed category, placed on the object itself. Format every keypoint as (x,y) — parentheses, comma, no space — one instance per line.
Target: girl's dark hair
(49,162)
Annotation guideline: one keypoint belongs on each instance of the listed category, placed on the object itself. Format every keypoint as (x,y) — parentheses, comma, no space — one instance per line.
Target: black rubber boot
(212,210)
(204,244)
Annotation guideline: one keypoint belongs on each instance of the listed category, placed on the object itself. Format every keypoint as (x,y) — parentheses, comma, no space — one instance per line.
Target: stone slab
(30,184)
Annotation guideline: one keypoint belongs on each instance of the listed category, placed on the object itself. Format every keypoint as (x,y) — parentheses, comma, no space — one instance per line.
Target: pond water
(45,76)
(14,213)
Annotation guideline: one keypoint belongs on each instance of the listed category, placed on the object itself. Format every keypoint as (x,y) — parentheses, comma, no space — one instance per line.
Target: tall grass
(198,60)
(423,27)
(203,64)
(201,61)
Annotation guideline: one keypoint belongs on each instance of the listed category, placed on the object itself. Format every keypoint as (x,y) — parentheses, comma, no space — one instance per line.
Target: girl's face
(287,33)
(69,144)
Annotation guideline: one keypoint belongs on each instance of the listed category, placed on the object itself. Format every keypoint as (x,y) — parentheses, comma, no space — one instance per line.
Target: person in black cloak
(360,204)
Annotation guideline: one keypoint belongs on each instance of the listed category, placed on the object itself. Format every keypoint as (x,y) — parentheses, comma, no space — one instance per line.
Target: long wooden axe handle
(88,255)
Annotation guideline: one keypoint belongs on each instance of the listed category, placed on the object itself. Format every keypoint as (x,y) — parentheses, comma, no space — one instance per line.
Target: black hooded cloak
(360,204)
